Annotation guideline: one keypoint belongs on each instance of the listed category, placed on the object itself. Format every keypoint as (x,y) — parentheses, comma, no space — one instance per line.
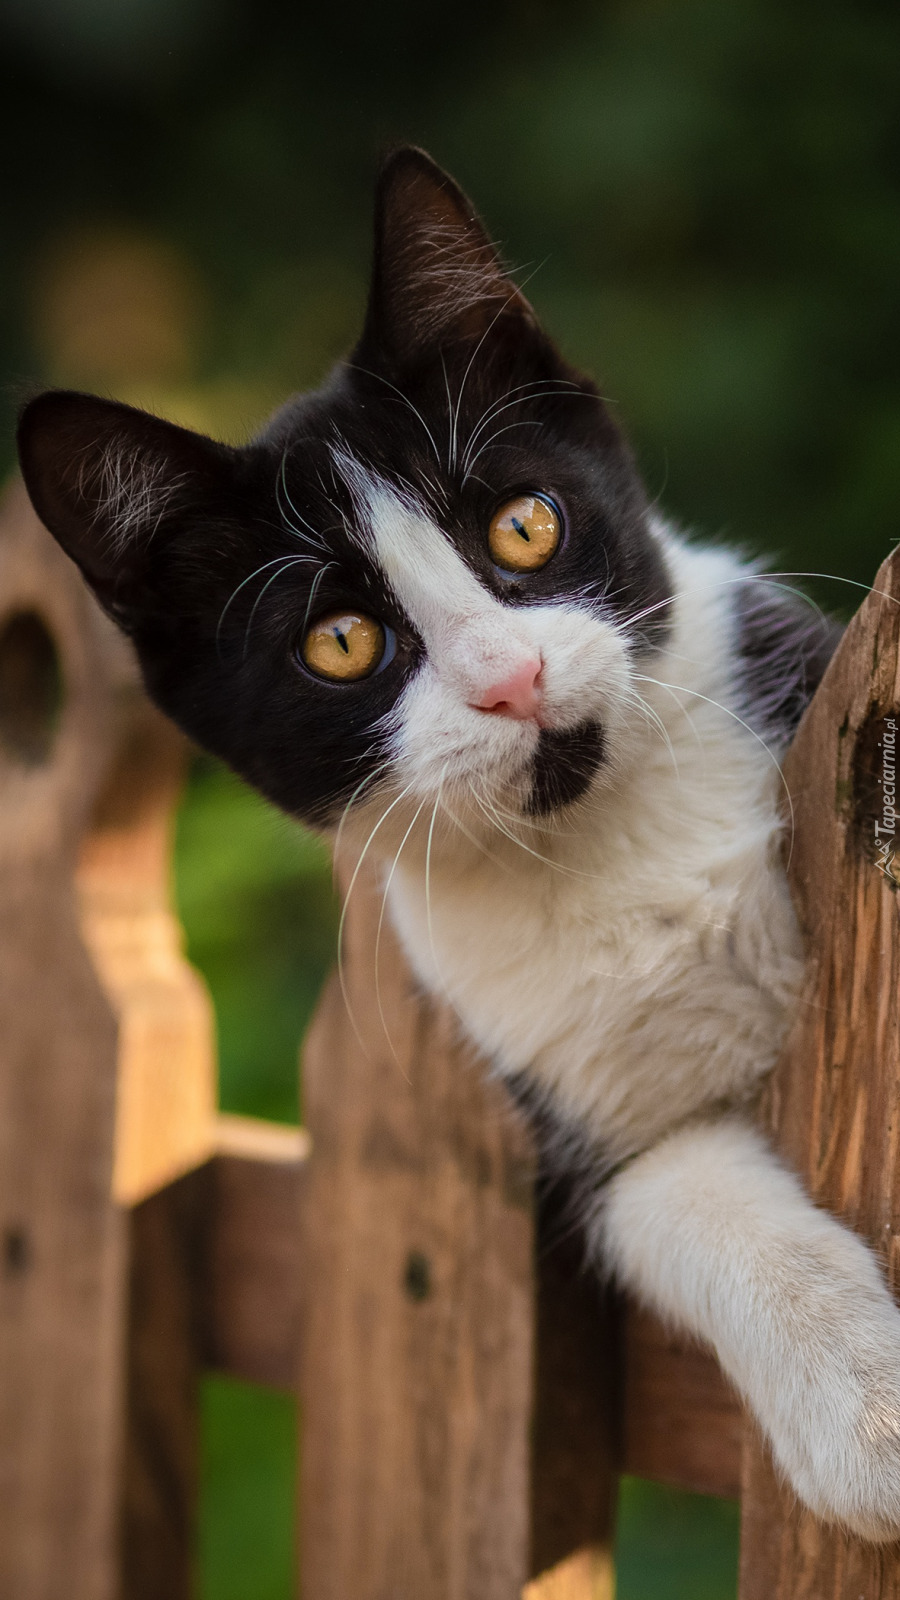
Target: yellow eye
(343,646)
(524,533)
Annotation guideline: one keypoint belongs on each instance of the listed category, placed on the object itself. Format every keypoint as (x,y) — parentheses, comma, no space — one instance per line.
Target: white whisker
(524,422)
(277,560)
(343,917)
(497,410)
(680,689)
(312,593)
(281,481)
(406,401)
(384,900)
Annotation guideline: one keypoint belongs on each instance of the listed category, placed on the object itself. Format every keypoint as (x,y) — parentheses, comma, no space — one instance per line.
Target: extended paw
(842,1455)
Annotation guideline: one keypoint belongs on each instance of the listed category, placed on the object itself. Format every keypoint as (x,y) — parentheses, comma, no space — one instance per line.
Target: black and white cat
(430,605)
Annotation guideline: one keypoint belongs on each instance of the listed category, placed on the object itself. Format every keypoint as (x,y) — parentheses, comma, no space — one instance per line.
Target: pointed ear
(436,277)
(112,484)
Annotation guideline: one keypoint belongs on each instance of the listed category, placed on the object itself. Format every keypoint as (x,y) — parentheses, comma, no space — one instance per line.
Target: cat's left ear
(118,489)
(436,276)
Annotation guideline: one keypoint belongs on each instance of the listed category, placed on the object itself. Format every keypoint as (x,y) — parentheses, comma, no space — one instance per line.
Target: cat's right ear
(436,276)
(114,485)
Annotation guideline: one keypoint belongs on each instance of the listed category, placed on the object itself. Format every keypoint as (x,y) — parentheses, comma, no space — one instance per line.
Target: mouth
(563,766)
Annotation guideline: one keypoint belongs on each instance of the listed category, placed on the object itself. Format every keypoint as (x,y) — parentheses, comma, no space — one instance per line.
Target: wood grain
(62,1242)
(574,1429)
(833,1105)
(682,1423)
(416,1380)
(166,1097)
(168,1239)
(253,1276)
(214,1285)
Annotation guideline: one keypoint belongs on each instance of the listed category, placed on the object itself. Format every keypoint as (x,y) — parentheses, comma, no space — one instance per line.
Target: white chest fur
(645,968)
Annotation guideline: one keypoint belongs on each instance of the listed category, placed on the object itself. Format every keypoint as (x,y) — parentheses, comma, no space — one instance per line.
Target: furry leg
(715,1235)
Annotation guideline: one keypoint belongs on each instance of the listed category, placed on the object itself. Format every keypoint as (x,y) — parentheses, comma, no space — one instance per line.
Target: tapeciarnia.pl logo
(886,824)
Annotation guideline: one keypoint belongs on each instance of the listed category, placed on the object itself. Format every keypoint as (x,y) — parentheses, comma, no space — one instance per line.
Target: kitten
(430,605)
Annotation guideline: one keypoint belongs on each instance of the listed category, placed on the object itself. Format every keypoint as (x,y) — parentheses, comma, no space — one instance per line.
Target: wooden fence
(468,1395)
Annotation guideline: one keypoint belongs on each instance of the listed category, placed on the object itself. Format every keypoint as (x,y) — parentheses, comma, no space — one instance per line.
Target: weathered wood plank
(574,1432)
(682,1423)
(214,1285)
(168,1240)
(106,1091)
(166,1095)
(417,1371)
(62,1245)
(588,1575)
(834,1106)
(253,1276)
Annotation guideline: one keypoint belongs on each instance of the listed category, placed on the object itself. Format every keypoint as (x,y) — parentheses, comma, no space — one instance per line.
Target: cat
(430,607)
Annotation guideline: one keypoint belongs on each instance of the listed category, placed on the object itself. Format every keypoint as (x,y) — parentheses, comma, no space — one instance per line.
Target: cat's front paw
(841,1448)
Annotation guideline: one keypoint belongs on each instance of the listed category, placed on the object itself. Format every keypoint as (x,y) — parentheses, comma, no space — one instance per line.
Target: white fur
(638,960)
(710,1230)
(451,274)
(133,491)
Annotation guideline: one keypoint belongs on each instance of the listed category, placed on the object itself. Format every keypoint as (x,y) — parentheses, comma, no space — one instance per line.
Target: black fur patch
(783,646)
(215,559)
(564,764)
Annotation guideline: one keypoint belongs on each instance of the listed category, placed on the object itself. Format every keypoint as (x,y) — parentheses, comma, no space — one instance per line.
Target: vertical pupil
(520,530)
(342,641)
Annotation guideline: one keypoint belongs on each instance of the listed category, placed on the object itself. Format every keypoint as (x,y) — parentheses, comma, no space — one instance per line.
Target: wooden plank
(166,1097)
(253,1276)
(225,1239)
(574,1444)
(214,1285)
(168,1236)
(416,1381)
(682,1422)
(833,1107)
(62,1244)
(588,1575)
(165,1127)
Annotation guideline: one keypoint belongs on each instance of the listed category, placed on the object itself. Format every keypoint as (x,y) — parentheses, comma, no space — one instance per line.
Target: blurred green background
(706,196)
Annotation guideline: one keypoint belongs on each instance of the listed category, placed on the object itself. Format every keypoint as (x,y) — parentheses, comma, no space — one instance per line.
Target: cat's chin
(564,766)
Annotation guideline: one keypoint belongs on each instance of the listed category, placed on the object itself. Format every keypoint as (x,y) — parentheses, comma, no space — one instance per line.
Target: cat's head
(434,574)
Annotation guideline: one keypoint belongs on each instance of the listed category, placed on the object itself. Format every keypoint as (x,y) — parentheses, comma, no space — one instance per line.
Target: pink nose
(516,696)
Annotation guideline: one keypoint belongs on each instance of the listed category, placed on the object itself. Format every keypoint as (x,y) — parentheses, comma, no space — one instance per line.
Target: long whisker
(490,811)
(312,593)
(494,406)
(552,385)
(497,409)
(384,901)
(371,777)
(233,596)
(451,443)
(524,422)
(281,482)
(406,401)
(343,918)
(289,561)
(499,313)
(680,688)
(473,839)
(338,511)
(428,867)
(656,721)
(760,577)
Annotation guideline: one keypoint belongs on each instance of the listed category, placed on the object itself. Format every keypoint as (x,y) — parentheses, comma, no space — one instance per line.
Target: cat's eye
(344,646)
(524,533)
